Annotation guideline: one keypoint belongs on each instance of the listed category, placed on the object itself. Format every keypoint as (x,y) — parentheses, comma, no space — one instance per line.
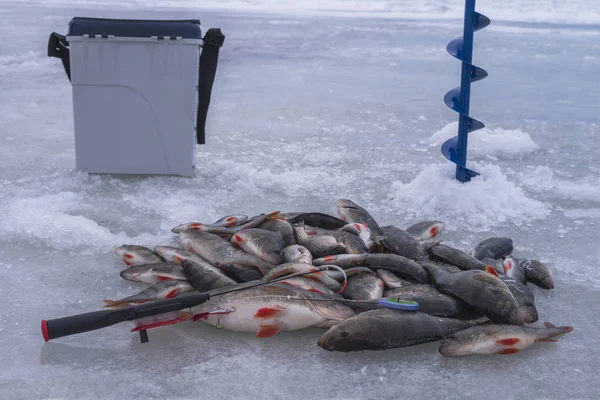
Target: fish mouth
(549,282)
(126,274)
(329,344)
(323,340)
(545,282)
(345,203)
(524,315)
(451,348)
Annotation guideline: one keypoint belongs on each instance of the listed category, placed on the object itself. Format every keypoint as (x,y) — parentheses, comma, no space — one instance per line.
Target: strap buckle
(214,37)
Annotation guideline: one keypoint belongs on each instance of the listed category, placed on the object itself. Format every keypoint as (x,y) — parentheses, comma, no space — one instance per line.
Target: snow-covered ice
(313,101)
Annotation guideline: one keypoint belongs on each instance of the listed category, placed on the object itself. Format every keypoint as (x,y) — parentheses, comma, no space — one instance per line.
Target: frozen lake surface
(306,109)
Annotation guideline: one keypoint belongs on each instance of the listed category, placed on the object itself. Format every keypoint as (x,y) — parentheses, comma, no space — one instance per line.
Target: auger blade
(480,21)
(452,100)
(450,149)
(455,47)
(473,124)
(477,74)
(464,174)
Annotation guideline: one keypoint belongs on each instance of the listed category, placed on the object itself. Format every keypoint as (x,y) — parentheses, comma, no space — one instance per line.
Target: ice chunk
(487,200)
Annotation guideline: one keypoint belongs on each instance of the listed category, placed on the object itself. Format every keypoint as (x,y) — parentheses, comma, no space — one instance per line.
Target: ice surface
(572,11)
(305,110)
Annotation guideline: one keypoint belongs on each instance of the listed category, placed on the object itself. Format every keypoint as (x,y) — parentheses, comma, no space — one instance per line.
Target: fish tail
(275,215)
(558,329)
(378,243)
(378,238)
(553,330)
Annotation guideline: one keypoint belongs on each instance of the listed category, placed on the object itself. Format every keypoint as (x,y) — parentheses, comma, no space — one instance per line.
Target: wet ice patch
(54,220)
(289,182)
(542,178)
(577,213)
(17,62)
(70,218)
(488,200)
(498,142)
(170,206)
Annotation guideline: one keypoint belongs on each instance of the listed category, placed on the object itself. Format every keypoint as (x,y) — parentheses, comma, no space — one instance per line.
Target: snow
(313,101)
(488,200)
(489,142)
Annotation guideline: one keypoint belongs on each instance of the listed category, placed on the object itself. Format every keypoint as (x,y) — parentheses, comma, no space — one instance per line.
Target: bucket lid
(187,29)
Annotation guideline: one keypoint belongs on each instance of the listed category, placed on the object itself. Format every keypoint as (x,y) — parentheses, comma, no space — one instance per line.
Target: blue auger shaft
(455,148)
(465,92)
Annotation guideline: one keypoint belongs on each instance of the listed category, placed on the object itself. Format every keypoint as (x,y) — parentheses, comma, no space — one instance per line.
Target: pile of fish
(477,303)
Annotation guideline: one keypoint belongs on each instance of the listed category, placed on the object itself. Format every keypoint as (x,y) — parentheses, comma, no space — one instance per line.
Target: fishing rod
(80,323)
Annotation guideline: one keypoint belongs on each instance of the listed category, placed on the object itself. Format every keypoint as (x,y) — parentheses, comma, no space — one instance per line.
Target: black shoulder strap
(59,48)
(213,40)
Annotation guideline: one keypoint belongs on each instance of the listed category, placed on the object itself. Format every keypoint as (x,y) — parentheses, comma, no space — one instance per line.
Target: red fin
(198,317)
(508,341)
(266,331)
(492,271)
(127,255)
(164,278)
(268,312)
(115,304)
(237,239)
(342,287)
(510,350)
(315,291)
(547,340)
(183,316)
(172,293)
